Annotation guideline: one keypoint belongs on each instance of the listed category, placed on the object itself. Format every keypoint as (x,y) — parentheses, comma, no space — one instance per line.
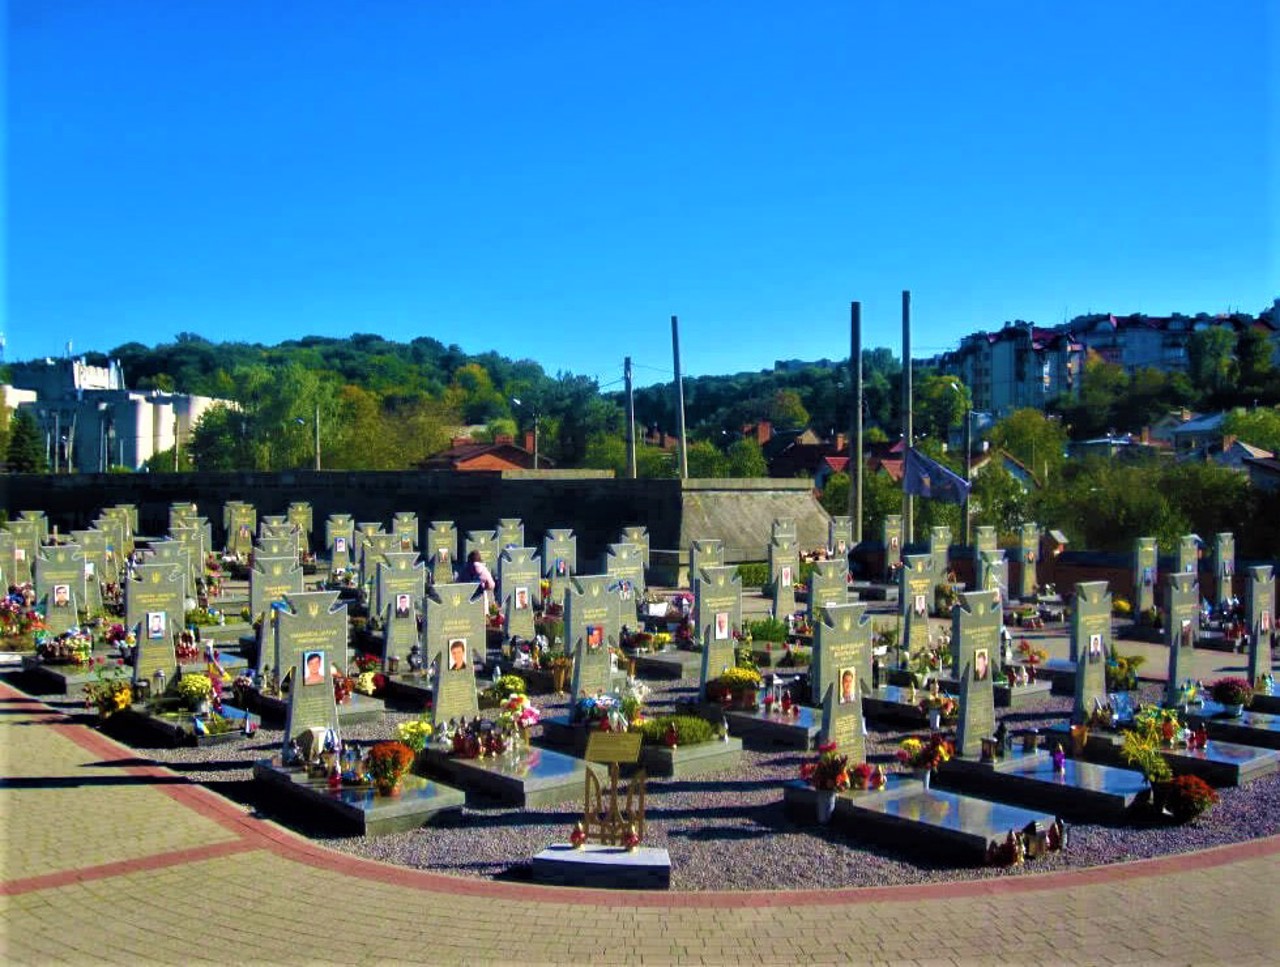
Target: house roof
(1208,423)
(487,456)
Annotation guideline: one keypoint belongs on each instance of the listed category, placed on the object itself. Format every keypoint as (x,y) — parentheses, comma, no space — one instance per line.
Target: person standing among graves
(476,570)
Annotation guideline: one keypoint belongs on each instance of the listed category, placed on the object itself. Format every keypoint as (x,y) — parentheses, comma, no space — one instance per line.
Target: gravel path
(728,831)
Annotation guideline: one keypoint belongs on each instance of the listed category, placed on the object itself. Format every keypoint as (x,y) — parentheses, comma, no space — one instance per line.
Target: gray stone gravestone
(399,582)
(518,590)
(442,551)
(339,541)
(41,522)
(993,574)
(975,645)
(61,566)
(301,516)
(6,557)
(272,545)
(842,720)
(1182,625)
(374,548)
(26,543)
(639,536)
(1028,554)
(1260,601)
(113,531)
(784,568)
(453,633)
(1188,557)
(984,540)
(590,611)
(61,608)
(891,537)
(1224,564)
(153,602)
(272,579)
(1091,645)
(591,668)
(1145,575)
(93,545)
(127,516)
(240,520)
(702,555)
(311,637)
(559,561)
(182,514)
(828,584)
(840,537)
(784,529)
(486,542)
(717,614)
(509,533)
(914,601)
(625,564)
(399,629)
(940,559)
(841,642)
(405,528)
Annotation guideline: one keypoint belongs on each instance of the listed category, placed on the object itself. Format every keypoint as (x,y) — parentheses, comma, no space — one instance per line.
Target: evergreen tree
(25,453)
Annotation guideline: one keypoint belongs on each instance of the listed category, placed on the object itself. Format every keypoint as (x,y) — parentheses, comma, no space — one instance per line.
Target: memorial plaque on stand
(975,644)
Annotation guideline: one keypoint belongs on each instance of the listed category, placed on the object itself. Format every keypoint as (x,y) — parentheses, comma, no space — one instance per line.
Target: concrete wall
(597,507)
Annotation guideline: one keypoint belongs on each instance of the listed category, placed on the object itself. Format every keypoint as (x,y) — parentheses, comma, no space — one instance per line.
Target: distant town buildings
(91,422)
(1025,365)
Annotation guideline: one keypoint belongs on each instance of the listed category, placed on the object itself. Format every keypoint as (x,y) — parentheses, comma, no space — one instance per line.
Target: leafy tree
(997,500)
(835,495)
(746,459)
(1037,441)
(1211,358)
(786,410)
(940,405)
(1258,427)
(26,450)
(1092,413)
(881,497)
(1253,359)
(706,461)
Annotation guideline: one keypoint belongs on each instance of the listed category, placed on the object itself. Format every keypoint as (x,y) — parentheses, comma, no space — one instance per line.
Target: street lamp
(536,416)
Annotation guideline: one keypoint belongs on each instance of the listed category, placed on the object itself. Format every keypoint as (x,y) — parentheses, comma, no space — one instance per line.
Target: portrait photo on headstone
(340,545)
(722,625)
(457,654)
(522,599)
(404,604)
(595,636)
(981,664)
(848,685)
(1095,647)
(785,574)
(61,595)
(920,606)
(156,624)
(313,668)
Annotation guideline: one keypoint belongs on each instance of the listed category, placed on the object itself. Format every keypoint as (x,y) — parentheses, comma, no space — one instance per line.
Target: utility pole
(683,453)
(908,438)
(317,429)
(631,420)
(856,463)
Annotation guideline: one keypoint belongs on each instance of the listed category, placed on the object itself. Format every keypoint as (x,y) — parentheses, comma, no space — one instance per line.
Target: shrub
(754,575)
(1189,796)
(736,678)
(767,629)
(690,730)
(509,685)
(1231,691)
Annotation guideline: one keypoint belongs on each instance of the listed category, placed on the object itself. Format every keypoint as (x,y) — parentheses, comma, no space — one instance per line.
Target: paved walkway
(110,859)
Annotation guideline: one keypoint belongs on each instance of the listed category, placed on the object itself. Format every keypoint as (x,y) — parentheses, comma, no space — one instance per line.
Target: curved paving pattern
(109,859)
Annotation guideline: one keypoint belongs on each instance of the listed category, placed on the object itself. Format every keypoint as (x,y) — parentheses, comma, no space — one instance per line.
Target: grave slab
(1219,763)
(359,808)
(358,708)
(799,799)
(691,760)
(669,664)
(895,703)
(773,729)
(937,820)
(529,779)
(603,867)
(1084,791)
(175,729)
(1261,729)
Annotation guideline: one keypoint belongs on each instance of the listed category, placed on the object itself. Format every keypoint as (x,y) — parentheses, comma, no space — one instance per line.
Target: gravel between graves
(728,831)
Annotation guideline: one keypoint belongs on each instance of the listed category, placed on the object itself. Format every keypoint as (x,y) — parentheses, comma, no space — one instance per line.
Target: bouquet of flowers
(415,733)
(194,688)
(367,663)
(1232,691)
(110,691)
(518,714)
(830,771)
(917,753)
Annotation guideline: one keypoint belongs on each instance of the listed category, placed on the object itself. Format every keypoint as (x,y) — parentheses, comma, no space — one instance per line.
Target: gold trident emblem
(457,600)
(155,577)
(313,609)
(846,624)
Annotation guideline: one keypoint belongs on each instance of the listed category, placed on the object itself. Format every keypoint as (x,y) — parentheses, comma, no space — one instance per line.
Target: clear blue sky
(554,180)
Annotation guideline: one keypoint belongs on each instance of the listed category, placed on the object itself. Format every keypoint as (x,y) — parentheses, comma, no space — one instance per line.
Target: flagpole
(908,438)
(856,464)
